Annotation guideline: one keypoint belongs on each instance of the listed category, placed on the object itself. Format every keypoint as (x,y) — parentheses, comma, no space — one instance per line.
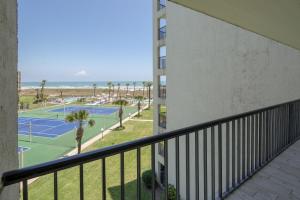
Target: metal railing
(232,150)
(162,62)
(162,33)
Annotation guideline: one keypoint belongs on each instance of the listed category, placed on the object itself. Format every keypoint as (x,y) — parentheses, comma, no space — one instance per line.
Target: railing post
(166,169)
(55,186)
(220,161)
(25,190)
(81,182)
(153,170)
(138,172)
(290,122)
(187,155)
(103,179)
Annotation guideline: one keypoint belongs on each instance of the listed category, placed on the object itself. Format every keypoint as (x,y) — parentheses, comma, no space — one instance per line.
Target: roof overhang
(276,19)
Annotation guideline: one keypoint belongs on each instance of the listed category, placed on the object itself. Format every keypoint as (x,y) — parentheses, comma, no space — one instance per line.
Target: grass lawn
(146,114)
(29,100)
(68,180)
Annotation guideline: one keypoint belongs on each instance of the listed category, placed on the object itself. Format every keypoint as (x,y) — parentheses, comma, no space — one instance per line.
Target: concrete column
(8,94)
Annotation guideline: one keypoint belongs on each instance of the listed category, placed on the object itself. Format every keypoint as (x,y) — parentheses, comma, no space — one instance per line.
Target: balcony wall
(217,69)
(8,91)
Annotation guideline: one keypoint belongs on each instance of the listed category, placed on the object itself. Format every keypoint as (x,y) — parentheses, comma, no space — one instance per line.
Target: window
(162,57)
(162,92)
(162,116)
(161,4)
(162,29)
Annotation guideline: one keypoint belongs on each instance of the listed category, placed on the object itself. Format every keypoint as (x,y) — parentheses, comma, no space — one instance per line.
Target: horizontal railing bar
(19,175)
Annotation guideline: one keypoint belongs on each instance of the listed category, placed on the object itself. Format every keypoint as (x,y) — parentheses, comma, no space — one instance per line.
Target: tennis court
(43,127)
(51,137)
(91,110)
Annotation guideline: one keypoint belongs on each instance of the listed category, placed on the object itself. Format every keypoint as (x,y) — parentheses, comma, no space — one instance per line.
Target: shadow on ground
(130,191)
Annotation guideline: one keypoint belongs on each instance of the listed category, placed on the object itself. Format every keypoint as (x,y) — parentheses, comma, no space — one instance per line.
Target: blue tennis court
(91,110)
(43,127)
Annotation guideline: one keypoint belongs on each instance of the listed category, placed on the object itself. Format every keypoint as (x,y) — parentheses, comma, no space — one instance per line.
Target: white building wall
(8,94)
(214,70)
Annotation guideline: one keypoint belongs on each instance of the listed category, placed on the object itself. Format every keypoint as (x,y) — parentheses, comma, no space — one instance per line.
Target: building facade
(205,69)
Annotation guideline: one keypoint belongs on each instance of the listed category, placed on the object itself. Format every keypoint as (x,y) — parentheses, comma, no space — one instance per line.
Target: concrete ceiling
(275,19)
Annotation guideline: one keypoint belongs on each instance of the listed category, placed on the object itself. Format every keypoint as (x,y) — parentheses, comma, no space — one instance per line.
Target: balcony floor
(279,180)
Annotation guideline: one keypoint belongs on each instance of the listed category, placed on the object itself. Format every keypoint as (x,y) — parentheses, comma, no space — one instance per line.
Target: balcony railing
(232,150)
(162,62)
(162,91)
(162,33)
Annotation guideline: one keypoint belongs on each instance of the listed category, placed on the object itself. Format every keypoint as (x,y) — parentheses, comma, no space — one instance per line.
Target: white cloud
(81,73)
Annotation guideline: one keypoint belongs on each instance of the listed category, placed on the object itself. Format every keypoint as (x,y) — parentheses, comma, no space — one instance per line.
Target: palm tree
(94,87)
(113,86)
(144,85)
(134,84)
(37,95)
(118,93)
(121,103)
(127,85)
(80,116)
(43,83)
(149,84)
(109,84)
(139,108)
(61,93)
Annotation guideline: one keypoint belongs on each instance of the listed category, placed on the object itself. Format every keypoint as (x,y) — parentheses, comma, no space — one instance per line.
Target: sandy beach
(82,92)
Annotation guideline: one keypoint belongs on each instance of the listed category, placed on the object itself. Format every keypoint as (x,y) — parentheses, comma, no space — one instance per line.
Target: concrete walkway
(279,180)
(141,120)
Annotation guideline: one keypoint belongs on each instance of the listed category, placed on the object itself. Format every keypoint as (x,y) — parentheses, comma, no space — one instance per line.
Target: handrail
(15,176)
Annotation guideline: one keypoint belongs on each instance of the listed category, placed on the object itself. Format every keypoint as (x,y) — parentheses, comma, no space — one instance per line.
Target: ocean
(74,85)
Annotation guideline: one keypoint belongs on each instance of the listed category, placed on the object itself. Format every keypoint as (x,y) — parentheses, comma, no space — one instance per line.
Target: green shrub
(121,102)
(139,97)
(147,178)
(81,100)
(171,193)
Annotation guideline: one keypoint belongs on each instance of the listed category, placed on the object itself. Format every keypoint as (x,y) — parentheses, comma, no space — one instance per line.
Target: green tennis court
(42,149)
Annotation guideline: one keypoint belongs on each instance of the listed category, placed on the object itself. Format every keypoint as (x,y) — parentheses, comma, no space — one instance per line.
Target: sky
(78,40)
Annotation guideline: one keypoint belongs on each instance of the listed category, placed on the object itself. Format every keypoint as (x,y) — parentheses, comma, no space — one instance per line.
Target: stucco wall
(8,93)
(215,69)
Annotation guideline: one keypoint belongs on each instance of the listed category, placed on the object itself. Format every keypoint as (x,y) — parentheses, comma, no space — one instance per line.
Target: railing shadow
(130,191)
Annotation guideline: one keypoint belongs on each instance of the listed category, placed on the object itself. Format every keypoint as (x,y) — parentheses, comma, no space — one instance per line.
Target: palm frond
(83,114)
(91,122)
(70,118)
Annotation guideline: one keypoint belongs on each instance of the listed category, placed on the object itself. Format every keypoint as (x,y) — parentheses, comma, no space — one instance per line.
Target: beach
(79,92)
(83,89)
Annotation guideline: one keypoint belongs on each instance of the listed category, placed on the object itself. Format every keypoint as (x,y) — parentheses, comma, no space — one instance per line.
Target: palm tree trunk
(149,94)
(79,146)
(109,94)
(143,92)
(133,91)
